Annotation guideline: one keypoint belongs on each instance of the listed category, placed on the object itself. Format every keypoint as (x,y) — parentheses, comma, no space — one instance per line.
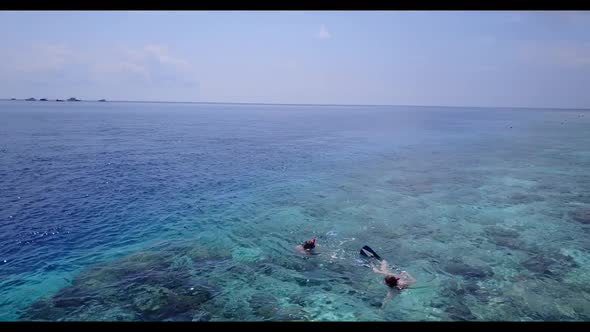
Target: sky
(471,58)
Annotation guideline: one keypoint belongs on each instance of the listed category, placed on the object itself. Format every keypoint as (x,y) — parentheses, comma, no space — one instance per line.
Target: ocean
(191,212)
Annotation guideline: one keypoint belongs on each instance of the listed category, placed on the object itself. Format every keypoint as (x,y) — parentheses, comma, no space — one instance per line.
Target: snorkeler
(394,281)
(307,246)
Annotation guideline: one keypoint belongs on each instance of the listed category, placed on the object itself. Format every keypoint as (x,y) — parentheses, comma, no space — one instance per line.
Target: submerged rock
(520,198)
(42,310)
(159,303)
(307,282)
(504,237)
(508,243)
(154,285)
(495,231)
(247,255)
(201,316)
(538,264)
(150,299)
(291,312)
(582,216)
(298,299)
(76,292)
(264,305)
(301,264)
(201,252)
(460,268)
(471,287)
(535,306)
(316,212)
(452,289)
(459,311)
(264,268)
(64,302)
(413,186)
(549,264)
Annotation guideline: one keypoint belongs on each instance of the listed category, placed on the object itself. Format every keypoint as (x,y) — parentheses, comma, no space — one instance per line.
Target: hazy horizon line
(298,104)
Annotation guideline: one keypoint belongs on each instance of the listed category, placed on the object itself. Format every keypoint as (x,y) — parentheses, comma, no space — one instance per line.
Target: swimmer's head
(391,280)
(308,245)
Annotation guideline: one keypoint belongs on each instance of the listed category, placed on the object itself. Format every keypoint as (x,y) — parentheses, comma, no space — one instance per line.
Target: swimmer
(394,282)
(307,246)
(401,281)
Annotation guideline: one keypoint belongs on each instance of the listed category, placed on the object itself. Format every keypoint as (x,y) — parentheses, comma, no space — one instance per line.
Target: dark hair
(308,245)
(391,281)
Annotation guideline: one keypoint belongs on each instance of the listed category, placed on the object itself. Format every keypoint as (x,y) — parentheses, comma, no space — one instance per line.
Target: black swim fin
(368,252)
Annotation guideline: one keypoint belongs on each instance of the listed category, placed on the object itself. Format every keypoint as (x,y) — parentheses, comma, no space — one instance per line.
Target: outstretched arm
(383,269)
(408,279)
(387,298)
(379,271)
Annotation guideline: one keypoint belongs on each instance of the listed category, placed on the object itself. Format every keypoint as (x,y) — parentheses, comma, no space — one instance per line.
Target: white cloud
(324,33)
(516,17)
(291,64)
(53,67)
(43,58)
(563,54)
(487,68)
(158,50)
(551,18)
(40,58)
(488,41)
(123,72)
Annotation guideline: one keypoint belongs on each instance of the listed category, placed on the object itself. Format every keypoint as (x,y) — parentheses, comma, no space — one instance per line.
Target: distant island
(59,100)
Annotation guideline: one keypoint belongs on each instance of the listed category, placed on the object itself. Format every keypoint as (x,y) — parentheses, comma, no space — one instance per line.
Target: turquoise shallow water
(139,211)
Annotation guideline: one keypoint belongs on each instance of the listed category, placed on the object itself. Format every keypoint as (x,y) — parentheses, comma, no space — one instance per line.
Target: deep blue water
(104,207)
